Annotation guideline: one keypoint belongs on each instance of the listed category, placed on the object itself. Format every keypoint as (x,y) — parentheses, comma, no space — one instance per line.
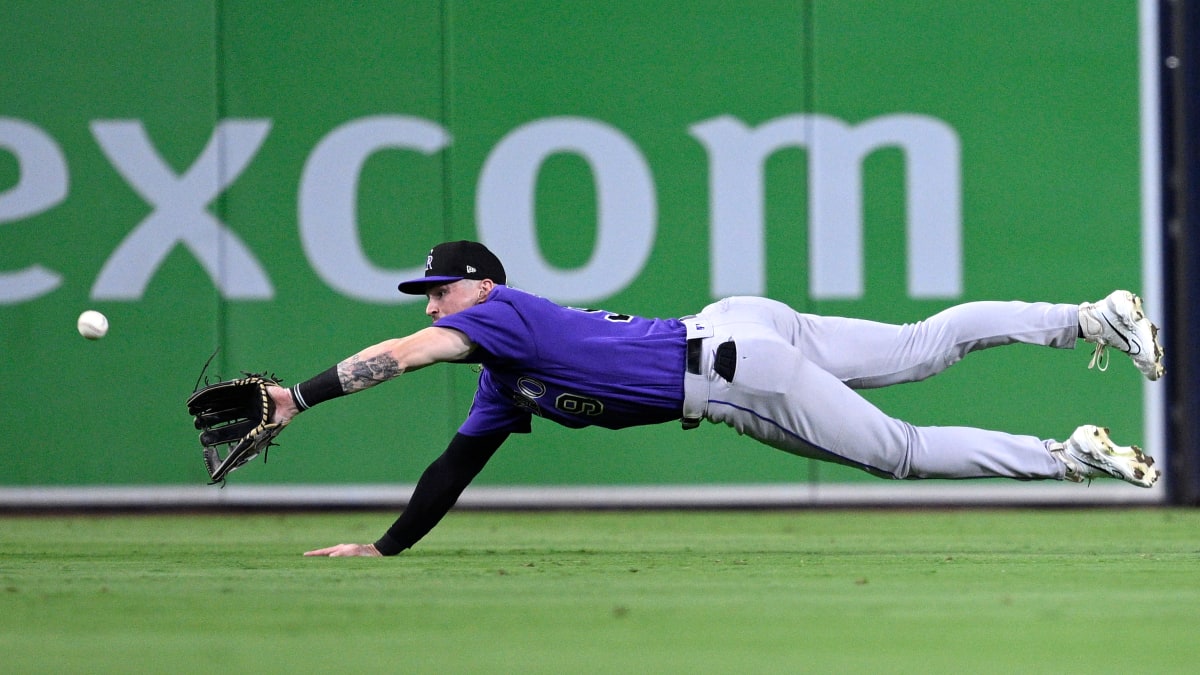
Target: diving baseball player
(784,378)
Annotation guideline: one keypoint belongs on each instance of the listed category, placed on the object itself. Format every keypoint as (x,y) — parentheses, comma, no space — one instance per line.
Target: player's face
(454,297)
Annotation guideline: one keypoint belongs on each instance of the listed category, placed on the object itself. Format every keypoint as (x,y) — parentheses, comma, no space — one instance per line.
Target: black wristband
(319,389)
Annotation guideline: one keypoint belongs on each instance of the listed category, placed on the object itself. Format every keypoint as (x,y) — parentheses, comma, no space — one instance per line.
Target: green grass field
(971,591)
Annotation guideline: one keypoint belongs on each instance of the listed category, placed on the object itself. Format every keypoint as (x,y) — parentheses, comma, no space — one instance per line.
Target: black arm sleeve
(439,489)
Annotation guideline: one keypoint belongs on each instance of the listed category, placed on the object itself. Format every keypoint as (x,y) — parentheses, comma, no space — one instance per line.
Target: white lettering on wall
(505,210)
(328,203)
(626,207)
(738,153)
(180,214)
(41,184)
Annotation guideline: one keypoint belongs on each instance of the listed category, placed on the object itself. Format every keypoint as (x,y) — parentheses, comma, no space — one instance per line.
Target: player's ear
(485,287)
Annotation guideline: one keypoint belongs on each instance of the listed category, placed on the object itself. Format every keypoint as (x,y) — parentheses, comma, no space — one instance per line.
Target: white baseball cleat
(1119,321)
(1089,453)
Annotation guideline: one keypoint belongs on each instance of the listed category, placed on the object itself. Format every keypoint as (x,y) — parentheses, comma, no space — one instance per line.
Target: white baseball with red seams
(92,325)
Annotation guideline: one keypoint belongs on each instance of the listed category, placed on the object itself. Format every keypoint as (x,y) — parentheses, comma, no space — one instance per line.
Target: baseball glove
(234,416)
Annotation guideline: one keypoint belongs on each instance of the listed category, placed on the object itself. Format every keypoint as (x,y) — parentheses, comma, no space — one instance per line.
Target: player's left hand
(347,550)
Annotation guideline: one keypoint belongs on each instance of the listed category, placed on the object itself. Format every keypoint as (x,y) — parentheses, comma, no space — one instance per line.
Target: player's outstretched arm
(391,358)
(378,363)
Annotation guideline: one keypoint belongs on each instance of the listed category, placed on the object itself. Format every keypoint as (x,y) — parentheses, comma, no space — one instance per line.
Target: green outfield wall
(258,176)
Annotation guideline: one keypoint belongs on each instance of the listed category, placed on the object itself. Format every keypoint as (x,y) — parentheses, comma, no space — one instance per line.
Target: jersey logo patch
(527,393)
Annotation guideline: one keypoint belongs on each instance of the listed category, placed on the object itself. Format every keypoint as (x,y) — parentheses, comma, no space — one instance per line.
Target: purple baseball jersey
(576,367)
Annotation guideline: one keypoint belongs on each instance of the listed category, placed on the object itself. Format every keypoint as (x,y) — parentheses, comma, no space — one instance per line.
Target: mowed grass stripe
(1106,590)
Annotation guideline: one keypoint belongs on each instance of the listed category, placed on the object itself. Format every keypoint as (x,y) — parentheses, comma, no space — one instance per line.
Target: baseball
(92,325)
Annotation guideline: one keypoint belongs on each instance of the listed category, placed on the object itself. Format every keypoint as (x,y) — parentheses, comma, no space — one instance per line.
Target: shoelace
(1100,358)
(1075,472)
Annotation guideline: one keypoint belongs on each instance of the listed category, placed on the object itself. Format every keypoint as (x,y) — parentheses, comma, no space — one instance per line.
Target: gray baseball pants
(794,384)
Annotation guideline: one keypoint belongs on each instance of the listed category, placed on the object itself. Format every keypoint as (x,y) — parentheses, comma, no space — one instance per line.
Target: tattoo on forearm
(357,374)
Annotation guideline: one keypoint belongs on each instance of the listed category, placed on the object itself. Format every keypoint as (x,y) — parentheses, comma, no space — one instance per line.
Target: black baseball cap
(454,260)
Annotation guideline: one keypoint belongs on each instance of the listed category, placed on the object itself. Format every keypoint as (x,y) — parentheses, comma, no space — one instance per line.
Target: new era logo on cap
(454,260)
